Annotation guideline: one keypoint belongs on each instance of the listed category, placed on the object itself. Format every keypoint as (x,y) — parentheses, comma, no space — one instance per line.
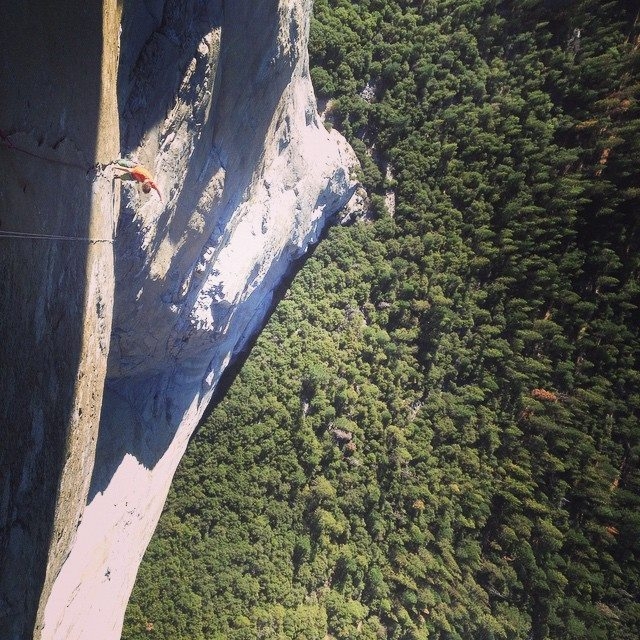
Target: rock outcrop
(216,99)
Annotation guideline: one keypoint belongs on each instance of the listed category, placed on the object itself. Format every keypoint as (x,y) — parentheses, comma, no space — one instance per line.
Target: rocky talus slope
(122,344)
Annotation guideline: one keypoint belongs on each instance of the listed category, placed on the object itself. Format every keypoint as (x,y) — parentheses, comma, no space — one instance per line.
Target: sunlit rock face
(215,99)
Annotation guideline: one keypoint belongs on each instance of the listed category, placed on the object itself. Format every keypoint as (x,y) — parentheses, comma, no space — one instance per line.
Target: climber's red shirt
(143,175)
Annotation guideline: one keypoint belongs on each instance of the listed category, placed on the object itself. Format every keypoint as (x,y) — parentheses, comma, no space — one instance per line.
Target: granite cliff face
(59,118)
(216,100)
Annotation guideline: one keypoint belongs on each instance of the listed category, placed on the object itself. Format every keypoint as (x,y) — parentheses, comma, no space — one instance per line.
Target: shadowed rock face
(56,66)
(215,99)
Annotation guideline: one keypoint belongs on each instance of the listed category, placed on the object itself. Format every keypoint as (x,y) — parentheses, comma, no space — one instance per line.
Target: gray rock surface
(59,118)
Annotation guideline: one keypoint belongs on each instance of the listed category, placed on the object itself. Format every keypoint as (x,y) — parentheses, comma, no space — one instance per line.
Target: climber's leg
(123,176)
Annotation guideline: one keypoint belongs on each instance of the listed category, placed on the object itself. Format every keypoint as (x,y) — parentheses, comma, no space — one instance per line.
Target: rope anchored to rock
(5,141)
(132,171)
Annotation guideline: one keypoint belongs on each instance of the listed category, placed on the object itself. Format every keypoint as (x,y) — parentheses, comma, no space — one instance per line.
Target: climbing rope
(46,236)
(135,171)
(5,141)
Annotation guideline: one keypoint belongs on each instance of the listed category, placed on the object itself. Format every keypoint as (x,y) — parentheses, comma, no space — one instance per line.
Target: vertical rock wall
(58,112)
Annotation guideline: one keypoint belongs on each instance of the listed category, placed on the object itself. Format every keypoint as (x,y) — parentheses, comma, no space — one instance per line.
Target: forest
(436,434)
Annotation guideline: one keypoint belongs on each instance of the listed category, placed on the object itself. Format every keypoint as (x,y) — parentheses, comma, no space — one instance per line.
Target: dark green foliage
(436,435)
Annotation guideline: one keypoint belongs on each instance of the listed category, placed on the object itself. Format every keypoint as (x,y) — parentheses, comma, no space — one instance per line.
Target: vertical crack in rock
(215,99)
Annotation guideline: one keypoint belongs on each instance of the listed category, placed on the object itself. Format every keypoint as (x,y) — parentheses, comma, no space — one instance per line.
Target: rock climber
(134,171)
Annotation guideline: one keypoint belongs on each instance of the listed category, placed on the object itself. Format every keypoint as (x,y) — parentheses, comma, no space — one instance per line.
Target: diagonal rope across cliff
(6,142)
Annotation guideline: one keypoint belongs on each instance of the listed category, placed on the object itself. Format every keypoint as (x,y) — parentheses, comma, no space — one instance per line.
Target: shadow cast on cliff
(176,25)
(51,95)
